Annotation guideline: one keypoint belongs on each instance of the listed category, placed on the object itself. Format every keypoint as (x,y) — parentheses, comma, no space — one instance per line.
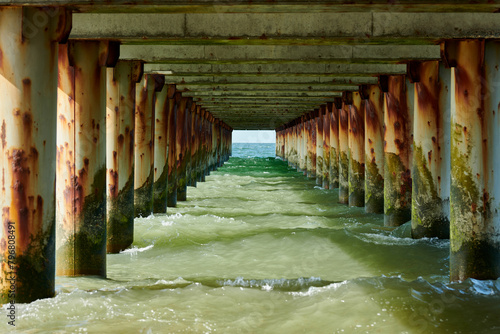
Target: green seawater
(259,248)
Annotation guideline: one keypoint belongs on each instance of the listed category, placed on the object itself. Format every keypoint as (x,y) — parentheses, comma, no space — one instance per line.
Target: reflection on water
(259,248)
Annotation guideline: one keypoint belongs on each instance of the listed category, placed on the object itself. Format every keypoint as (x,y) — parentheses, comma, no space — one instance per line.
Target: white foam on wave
(313,290)
(135,250)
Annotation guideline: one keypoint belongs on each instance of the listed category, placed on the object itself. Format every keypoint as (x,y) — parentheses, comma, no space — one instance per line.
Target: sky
(254,136)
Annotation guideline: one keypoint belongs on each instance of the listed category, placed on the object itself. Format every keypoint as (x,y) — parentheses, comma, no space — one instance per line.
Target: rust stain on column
(326,146)
(319,145)
(193,146)
(172,148)
(397,142)
(81,239)
(144,146)
(474,220)
(429,211)
(344,153)
(161,146)
(357,151)
(181,146)
(28,111)
(334,144)
(374,148)
(120,122)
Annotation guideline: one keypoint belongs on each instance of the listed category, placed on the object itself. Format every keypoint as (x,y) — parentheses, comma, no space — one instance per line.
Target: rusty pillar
(334,143)
(181,146)
(326,145)
(397,154)
(203,144)
(198,134)
(28,91)
(374,148)
(357,151)
(430,197)
(475,159)
(81,142)
(190,108)
(144,145)
(319,145)
(313,133)
(344,149)
(172,157)
(120,122)
(308,149)
(194,147)
(160,185)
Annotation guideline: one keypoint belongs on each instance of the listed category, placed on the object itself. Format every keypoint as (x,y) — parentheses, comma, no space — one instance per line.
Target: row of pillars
(88,143)
(422,147)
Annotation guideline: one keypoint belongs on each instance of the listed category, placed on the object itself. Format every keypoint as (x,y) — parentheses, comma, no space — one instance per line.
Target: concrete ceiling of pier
(260,64)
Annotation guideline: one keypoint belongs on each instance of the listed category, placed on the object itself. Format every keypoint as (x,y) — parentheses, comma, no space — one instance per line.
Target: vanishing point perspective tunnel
(111,109)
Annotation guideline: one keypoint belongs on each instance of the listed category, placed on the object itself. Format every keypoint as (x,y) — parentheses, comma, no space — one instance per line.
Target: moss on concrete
(374,188)
(143,197)
(334,169)
(356,183)
(160,192)
(343,178)
(120,227)
(397,191)
(428,218)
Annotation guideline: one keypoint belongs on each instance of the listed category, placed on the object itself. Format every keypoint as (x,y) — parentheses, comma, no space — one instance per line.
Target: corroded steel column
(28,110)
(374,148)
(190,109)
(430,197)
(144,145)
(397,141)
(120,122)
(203,144)
(172,149)
(326,146)
(181,146)
(344,149)
(319,145)
(81,141)
(334,144)
(300,145)
(161,147)
(475,160)
(198,134)
(357,151)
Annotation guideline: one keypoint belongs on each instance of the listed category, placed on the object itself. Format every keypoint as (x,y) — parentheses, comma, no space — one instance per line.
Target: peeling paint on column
(120,122)
(344,154)
(319,146)
(181,149)
(334,144)
(474,220)
(374,149)
(28,150)
(429,207)
(313,136)
(172,155)
(326,146)
(161,147)
(81,232)
(397,139)
(357,151)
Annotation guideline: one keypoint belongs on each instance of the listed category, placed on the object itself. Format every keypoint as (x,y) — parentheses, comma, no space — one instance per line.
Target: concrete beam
(258,100)
(269,28)
(297,68)
(213,54)
(271,79)
(262,93)
(269,87)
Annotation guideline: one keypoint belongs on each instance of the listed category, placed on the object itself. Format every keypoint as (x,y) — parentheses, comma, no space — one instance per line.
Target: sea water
(259,248)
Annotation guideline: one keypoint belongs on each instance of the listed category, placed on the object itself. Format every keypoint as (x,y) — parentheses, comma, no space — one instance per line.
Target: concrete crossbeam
(297,68)
(262,28)
(263,93)
(273,87)
(278,53)
(271,79)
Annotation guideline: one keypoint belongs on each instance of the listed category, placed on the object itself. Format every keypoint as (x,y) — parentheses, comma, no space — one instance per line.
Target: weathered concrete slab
(266,28)
(297,68)
(278,53)
(263,93)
